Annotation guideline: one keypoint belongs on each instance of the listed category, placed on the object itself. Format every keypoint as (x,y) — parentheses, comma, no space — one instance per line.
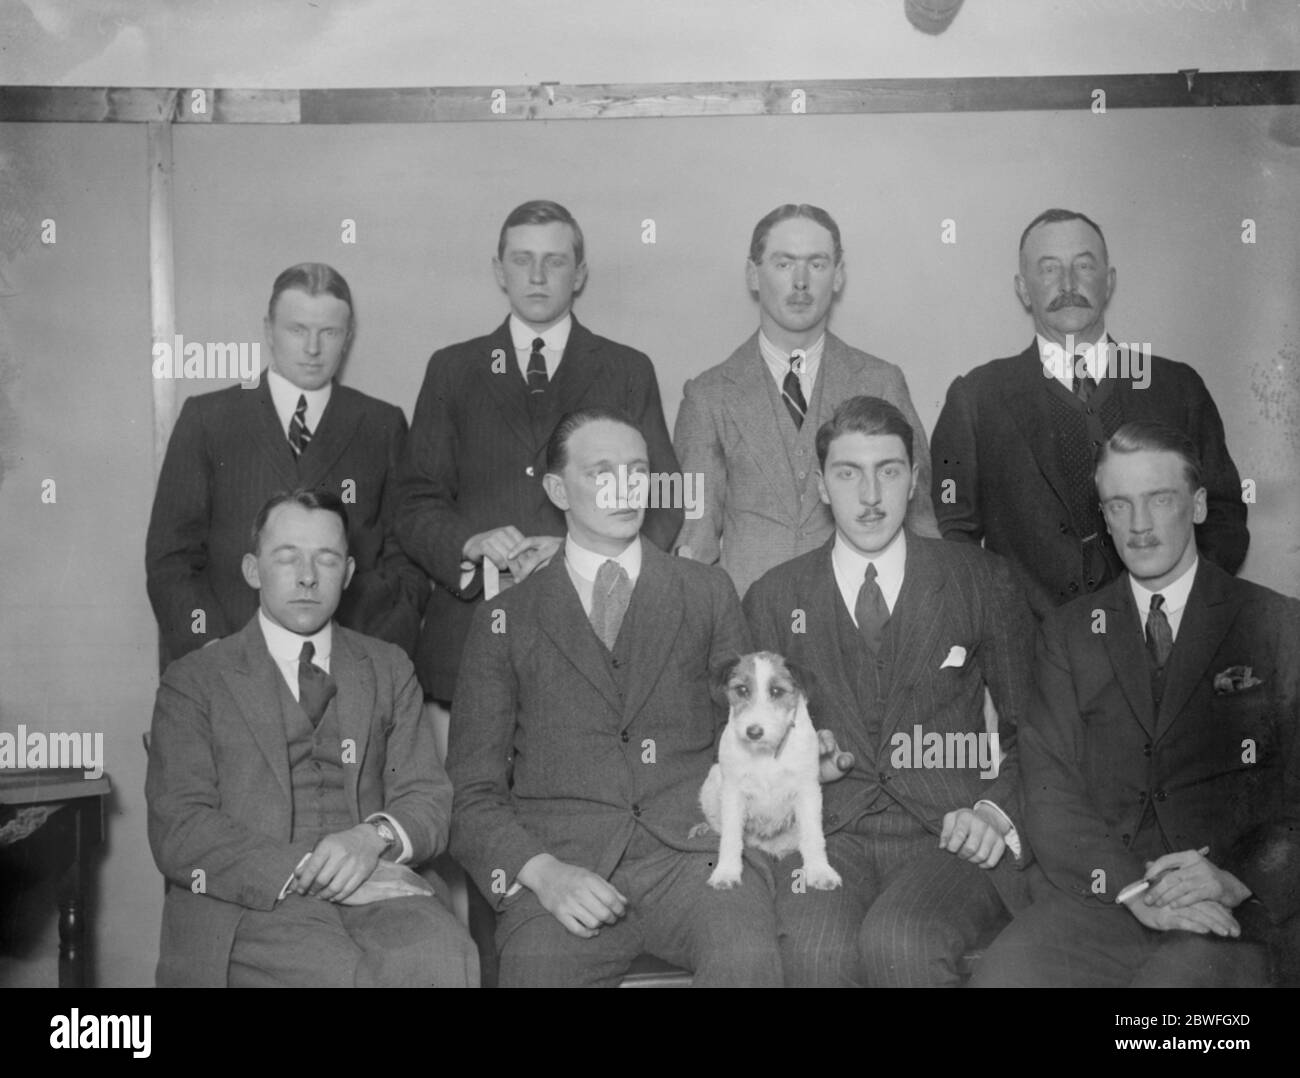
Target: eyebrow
(854,464)
(795,257)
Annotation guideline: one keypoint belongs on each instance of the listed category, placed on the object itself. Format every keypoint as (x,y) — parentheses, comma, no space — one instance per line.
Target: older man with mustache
(1014,445)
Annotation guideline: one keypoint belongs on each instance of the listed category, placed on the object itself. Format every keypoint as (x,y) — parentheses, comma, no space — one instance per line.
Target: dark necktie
(1085,385)
(537,367)
(792,391)
(315,687)
(870,610)
(299,435)
(1160,641)
(609,601)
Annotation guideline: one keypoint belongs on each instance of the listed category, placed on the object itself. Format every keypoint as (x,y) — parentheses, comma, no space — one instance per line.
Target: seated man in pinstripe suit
(906,640)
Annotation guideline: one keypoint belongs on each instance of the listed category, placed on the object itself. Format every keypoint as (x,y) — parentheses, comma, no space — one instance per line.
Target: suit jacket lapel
(506,387)
(333,433)
(1126,647)
(272,444)
(1028,406)
(252,680)
(577,370)
(653,619)
(918,625)
(751,407)
(819,594)
(354,674)
(566,624)
(1210,612)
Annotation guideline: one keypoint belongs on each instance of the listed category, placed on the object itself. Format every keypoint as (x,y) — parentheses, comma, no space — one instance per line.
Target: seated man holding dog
(1161,757)
(581,732)
(904,640)
(292,776)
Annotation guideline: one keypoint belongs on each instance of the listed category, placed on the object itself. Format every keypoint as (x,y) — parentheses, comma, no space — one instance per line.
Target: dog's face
(764,694)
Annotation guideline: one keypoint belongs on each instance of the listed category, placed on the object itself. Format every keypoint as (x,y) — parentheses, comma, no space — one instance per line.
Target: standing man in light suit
(748,425)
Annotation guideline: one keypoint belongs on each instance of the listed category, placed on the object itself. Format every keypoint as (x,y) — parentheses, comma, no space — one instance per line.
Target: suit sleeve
(430,527)
(661,524)
(1009,632)
(1069,834)
(417,791)
(176,545)
(956,466)
(389,599)
(699,448)
(1223,537)
(486,836)
(920,511)
(188,832)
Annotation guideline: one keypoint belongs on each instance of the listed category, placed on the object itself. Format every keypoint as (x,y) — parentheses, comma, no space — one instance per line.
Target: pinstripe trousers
(905,914)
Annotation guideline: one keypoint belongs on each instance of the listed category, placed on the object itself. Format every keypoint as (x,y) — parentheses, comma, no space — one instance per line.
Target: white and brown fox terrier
(764,791)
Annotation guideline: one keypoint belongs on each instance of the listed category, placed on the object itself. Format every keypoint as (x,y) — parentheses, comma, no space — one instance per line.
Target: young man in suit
(1015,442)
(472,479)
(232,449)
(905,639)
(748,424)
(581,734)
(1162,746)
(291,779)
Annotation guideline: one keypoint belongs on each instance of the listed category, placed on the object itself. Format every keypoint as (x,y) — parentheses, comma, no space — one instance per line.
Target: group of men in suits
(584,723)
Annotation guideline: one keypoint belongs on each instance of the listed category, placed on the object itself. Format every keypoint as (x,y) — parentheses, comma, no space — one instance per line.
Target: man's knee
(412,943)
(901,949)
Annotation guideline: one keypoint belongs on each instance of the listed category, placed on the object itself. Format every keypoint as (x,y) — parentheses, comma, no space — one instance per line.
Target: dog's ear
(803,679)
(718,680)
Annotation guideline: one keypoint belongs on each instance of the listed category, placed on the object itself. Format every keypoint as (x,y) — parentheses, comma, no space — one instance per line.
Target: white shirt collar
(556,338)
(850,567)
(1176,594)
(284,395)
(286,646)
(586,563)
(778,362)
(1057,365)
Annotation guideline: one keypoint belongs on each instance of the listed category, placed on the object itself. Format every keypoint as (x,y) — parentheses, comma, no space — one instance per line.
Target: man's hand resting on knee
(576,897)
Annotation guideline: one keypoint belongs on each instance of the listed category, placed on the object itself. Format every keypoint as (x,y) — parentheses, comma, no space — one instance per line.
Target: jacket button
(1146,749)
(1074,585)
(636,810)
(1125,839)
(530,471)
(616,663)
(624,738)
(1161,795)
(1142,795)
(1064,527)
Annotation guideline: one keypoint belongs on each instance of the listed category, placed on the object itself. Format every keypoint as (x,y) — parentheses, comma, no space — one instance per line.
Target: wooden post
(162,282)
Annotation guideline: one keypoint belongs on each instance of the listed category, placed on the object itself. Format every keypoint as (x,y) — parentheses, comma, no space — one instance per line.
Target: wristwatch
(386,832)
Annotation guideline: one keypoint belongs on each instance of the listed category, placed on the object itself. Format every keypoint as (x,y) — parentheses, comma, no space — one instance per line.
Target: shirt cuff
(467,571)
(407,849)
(1011,838)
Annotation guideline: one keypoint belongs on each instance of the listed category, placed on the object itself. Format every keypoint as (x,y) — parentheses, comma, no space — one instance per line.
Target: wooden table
(78,827)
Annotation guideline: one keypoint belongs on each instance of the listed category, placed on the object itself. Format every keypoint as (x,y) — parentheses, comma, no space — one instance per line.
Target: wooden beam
(162,281)
(602,101)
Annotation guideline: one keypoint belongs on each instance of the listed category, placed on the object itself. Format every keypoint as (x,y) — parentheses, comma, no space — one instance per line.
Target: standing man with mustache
(749,424)
(1015,442)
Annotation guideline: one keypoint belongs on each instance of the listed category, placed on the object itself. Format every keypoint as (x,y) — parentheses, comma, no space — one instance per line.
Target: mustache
(1069,299)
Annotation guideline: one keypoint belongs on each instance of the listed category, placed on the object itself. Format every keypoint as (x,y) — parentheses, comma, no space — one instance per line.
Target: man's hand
(975,835)
(340,863)
(389,880)
(1191,878)
(1201,918)
(580,900)
(532,553)
(833,763)
(495,544)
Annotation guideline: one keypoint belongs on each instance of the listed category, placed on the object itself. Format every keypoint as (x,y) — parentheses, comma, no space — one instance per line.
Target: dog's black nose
(754,733)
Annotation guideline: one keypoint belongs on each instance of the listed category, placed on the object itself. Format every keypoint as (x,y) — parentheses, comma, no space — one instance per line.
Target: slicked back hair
(308,499)
(758,242)
(314,278)
(541,211)
(1145,435)
(557,448)
(1055,216)
(864,415)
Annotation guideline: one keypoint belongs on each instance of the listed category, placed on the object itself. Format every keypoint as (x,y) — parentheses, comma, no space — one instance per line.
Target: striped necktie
(792,391)
(537,367)
(299,435)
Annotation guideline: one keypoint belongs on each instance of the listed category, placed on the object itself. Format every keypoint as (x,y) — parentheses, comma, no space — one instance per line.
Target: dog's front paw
(724,877)
(699,831)
(821,877)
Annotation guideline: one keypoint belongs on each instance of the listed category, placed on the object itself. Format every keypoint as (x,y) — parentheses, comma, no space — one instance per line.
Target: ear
(718,681)
(822,492)
(348,571)
(751,275)
(580,277)
(837,281)
(1110,283)
(249,568)
(802,677)
(554,487)
(916,474)
(499,272)
(1022,292)
(1199,506)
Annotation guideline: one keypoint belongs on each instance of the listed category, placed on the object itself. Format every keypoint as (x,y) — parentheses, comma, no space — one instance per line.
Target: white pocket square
(956,657)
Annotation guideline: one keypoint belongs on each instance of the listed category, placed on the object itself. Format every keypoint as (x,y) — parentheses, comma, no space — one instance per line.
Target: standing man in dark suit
(472,479)
(581,734)
(1015,442)
(906,639)
(1162,746)
(232,449)
(748,424)
(291,778)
